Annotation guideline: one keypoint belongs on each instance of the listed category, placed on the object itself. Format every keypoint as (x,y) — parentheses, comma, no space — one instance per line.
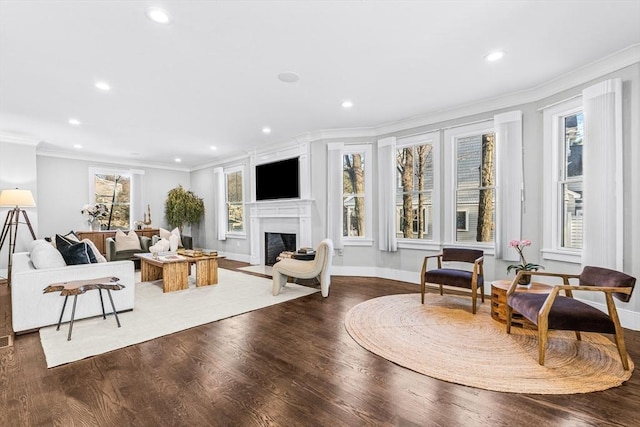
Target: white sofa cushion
(44,255)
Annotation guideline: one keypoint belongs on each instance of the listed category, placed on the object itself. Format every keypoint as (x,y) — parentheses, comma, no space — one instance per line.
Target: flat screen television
(278,180)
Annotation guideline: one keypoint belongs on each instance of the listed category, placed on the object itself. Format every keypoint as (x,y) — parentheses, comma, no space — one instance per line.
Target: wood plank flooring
(291,364)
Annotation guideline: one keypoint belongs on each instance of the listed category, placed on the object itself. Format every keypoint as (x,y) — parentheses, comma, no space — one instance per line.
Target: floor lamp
(17,199)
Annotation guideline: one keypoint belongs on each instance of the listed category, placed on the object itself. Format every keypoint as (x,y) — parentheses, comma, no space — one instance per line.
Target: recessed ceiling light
(77,146)
(288,77)
(158,15)
(103,86)
(177,159)
(213,147)
(74,122)
(347,104)
(266,130)
(494,56)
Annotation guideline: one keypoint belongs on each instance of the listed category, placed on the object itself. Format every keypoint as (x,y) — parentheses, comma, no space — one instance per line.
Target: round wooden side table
(499,290)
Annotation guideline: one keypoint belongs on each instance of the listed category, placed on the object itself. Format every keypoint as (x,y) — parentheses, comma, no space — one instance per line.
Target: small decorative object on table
(94,214)
(519,246)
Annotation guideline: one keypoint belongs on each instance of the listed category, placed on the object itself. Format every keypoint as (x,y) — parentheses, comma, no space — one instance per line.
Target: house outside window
(571,181)
(414,191)
(234,200)
(356,183)
(112,188)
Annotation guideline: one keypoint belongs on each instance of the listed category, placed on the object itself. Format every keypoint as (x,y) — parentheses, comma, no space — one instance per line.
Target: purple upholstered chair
(472,279)
(554,311)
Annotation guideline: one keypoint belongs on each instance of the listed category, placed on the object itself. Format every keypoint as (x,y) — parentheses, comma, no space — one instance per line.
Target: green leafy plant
(183,207)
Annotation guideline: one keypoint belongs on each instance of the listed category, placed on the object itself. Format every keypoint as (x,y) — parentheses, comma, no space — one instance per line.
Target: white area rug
(260,269)
(157,314)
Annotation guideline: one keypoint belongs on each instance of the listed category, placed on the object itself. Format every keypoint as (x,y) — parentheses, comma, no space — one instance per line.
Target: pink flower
(514,243)
(525,243)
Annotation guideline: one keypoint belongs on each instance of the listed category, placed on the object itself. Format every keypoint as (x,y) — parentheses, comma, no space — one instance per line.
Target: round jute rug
(443,340)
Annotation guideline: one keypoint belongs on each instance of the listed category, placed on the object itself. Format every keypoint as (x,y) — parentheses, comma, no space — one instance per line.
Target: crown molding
(108,160)
(603,66)
(19,139)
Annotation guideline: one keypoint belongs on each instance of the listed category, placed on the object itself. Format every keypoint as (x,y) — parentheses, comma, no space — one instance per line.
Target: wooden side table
(499,290)
(79,287)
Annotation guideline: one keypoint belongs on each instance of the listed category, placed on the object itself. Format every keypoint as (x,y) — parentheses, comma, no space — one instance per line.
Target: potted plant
(183,207)
(519,246)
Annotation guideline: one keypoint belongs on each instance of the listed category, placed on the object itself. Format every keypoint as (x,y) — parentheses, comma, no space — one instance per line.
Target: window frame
(367,150)
(554,159)
(432,138)
(227,172)
(451,185)
(93,171)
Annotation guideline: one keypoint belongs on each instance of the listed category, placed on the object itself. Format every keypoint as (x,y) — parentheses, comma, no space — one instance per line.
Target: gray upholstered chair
(320,267)
(113,255)
(554,311)
(472,279)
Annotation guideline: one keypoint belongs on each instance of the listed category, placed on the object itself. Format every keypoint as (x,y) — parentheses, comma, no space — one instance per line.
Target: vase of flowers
(519,246)
(94,213)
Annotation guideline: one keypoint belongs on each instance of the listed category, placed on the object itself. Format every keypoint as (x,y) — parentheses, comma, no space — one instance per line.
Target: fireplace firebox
(275,243)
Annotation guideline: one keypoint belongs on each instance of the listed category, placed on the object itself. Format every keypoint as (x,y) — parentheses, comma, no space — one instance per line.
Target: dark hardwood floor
(292,364)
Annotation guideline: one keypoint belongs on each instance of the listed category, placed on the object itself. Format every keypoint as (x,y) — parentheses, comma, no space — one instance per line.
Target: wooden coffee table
(173,269)
(499,290)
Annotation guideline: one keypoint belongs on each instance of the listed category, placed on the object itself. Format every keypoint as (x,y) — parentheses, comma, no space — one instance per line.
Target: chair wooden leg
(622,348)
(482,293)
(543,330)
(474,299)
(441,289)
(422,289)
(509,312)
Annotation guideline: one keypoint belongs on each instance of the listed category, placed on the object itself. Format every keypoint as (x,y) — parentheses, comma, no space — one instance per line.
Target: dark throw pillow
(77,253)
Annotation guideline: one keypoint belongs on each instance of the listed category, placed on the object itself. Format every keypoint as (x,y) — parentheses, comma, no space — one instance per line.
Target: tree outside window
(414,169)
(353,201)
(235,207)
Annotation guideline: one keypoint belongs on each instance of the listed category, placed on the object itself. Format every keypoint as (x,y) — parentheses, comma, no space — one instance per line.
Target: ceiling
(209,77)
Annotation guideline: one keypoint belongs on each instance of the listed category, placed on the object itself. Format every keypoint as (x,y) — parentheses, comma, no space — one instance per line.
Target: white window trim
(553,146)
(432,138)
(450,183)
(367,149)
(235,234)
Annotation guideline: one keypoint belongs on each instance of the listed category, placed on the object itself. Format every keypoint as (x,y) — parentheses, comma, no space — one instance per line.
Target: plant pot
(95,225)
(524,280)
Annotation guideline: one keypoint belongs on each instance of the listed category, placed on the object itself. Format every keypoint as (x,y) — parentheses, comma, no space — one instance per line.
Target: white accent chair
(320,266)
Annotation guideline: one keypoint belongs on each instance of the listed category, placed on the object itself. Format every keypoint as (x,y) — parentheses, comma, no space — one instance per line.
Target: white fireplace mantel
(279,216)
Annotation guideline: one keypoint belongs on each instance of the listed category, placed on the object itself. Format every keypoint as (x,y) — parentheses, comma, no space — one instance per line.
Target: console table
(99,237)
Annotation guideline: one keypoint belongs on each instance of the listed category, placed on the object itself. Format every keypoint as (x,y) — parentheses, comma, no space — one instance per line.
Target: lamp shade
(17,198)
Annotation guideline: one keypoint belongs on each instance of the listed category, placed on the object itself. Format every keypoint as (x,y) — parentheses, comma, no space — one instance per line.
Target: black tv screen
(278,180)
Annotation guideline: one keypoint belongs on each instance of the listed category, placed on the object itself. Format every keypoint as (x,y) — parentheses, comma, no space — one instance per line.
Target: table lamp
(17,199)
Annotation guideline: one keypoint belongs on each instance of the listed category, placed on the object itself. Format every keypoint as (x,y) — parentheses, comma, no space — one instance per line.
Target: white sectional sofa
(32,309)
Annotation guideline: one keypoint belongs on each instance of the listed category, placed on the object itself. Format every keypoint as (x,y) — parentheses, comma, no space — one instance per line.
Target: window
(112,188)
(571,181)
(462,220)
(475,187)
(563,181)
(235,201)
(356,179)
(414,188)
(469,194)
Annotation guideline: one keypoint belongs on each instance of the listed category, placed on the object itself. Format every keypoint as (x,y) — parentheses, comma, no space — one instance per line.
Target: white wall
(18,170)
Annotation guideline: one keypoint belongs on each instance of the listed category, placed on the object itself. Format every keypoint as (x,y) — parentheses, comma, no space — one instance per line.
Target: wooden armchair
(469,279)
(554,311)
